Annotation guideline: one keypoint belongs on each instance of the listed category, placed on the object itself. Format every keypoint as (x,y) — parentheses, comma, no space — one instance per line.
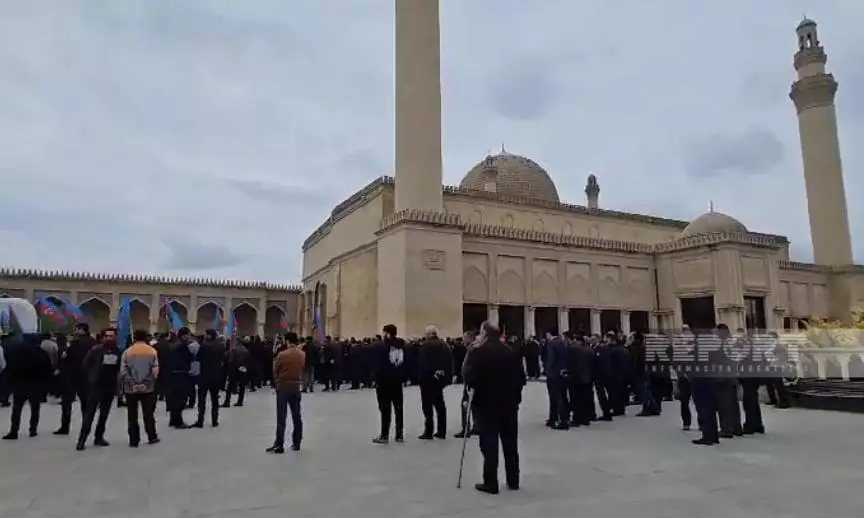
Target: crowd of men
(188,372)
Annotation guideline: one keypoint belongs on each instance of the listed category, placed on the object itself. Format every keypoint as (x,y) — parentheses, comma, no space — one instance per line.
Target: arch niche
(182,311)
(97,313)
(856,368)
(273,321)
(247,319)
(140,314)
(209,316)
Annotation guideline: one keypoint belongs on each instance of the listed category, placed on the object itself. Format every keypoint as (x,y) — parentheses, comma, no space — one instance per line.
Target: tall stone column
(419,246)
(563,319)
(813,94)
(529,322)
(492,310)
(596,326)
(625,322)
(418,106)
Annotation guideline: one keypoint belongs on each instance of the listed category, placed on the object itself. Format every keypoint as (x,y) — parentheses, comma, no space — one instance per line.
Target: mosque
(503,246)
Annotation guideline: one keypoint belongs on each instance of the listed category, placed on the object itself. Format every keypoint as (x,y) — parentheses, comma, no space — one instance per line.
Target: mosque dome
(511,174)
(713,222)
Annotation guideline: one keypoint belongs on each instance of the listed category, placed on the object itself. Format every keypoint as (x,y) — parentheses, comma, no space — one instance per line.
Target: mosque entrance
(639,321)
(473,316)
(698,313)
(610,320)
(580,320)
(754,312)
(546,321)
(512,320)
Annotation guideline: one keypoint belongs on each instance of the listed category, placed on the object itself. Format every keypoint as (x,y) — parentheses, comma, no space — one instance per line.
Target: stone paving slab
(809,466)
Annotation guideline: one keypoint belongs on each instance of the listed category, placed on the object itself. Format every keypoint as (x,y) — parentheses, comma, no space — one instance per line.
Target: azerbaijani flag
(53,314)
(319,329)
(174,320)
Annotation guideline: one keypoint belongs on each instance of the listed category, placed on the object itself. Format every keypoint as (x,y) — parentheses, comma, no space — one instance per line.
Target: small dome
(712,223)
(511,174)
(806,22)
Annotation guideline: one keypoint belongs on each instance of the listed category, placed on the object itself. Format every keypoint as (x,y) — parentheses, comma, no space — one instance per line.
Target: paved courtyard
(810,465)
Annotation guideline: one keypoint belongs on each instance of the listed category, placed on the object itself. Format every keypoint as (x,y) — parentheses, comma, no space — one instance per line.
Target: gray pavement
(810,465)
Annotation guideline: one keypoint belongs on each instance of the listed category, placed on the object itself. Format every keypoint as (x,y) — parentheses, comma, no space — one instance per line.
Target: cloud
(184,255)
(522,91)
(211,137)
(752,152)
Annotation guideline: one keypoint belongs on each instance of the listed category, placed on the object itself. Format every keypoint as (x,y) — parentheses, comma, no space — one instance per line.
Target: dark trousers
(777,393)
(604,397)
(705,398)
(19,399)
(559,405)
(68,396)
(581,403)
(728,406)
(192,387)
(309,379)
(97,401)
(390,406)
(685,394)
(213,393)
(4,388)
(500,426)
(236,384)
(532,366)
(286,400)
(147,403)
(177,393)
(618,396)
(432,402)
(750,402)
(467,414)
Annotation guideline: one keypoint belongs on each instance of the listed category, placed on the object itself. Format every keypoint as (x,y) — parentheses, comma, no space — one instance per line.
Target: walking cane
(465,433)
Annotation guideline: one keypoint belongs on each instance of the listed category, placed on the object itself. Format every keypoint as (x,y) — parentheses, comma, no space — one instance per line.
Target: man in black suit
(211,378)
(494,372)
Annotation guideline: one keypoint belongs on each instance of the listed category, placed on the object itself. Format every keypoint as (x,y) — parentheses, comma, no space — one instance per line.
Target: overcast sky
(209,137)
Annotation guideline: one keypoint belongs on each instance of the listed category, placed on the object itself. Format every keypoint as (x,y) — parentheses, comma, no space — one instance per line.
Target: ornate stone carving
(434,259)
(813,91)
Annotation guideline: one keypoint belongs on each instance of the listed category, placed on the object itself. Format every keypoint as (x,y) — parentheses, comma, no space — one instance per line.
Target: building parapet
(715,238)
(122,278)
(425,217)
(358,198)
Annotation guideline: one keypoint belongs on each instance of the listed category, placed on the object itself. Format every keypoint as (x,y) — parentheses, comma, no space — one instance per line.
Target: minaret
(592,192)
(813,94)
(418,106)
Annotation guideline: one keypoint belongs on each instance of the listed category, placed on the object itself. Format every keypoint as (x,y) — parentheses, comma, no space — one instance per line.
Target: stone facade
(260,308)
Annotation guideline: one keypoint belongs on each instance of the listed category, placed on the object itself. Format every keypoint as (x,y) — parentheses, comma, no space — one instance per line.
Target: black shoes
(704,442)
(197,424)
(381,440)
(10,437)
(426,437)
(441,435)
(483,488)
(277,450)
(154,440)
(61,431)
(100,442)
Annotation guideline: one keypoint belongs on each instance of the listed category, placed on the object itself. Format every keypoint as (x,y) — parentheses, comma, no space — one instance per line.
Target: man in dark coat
(29,372)
(177,378)
(580,369)
(435,365)
(556,384)
(101,369)
(389,368)
(237,367)
(72,380)
(494,372)
(312,351)
(211,356)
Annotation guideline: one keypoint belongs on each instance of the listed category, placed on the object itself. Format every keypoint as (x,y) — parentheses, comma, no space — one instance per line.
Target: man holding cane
(494,372)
